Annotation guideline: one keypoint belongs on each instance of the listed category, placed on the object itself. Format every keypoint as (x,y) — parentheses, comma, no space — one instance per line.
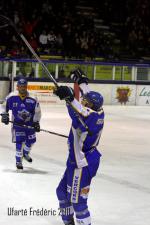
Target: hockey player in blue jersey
(84,158)
(25,111)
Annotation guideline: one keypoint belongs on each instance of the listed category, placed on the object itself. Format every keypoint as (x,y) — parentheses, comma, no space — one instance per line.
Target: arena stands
(81,29)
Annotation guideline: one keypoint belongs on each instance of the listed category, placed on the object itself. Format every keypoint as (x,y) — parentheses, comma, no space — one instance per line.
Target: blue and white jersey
(80,142)
(24,110)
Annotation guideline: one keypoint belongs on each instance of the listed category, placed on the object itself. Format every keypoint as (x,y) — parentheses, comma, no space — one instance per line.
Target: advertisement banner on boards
(143,95)
(123,94)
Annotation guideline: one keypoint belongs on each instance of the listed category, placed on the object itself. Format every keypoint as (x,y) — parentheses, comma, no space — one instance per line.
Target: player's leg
(79,195)
(66,208)
(30,140)
(18,137)
(19,155)
(26,151)
(80,189)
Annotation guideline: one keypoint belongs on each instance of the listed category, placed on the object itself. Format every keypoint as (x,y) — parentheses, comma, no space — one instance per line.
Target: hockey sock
(66,211)
(26,149)
(19,154)
(82,214)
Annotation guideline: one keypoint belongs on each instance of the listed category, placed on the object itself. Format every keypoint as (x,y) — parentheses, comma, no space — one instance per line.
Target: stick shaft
(47,131)
(30,127)
(38,59)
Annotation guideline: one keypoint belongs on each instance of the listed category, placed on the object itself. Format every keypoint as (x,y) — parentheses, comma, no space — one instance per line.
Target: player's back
(80,141)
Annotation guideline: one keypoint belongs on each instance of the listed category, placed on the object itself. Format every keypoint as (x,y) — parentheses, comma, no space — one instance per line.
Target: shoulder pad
(11,94)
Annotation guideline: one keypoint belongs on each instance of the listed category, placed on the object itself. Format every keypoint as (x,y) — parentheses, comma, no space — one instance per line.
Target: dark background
(78,29)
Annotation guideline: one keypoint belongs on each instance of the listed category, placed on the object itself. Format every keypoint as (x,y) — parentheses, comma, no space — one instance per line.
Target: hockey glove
(36,126)
(78,76)
(5,118)
(65,93)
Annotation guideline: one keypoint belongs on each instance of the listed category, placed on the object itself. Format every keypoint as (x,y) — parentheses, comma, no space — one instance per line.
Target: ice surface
(119,195)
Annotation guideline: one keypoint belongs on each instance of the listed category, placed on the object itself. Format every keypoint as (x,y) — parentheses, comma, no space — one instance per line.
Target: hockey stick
(4,22)
(30,127)
(47,131)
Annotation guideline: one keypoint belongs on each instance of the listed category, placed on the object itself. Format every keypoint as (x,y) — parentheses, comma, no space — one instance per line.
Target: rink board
(114,94)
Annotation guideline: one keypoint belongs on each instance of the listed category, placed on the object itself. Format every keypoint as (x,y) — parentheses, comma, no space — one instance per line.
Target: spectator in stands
(51,41)
(66,19)
(33,42)
(77,47)
(28,27)
(59,43)
(43,40)
(2,51)
(16,18)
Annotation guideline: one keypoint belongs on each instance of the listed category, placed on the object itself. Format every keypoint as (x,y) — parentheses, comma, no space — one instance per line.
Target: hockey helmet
(95,98)
(22,81)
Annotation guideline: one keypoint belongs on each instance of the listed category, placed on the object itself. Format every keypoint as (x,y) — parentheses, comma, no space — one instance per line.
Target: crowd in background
(62,28)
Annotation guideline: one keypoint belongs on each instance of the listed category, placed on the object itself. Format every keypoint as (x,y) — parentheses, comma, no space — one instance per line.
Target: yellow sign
(40,88)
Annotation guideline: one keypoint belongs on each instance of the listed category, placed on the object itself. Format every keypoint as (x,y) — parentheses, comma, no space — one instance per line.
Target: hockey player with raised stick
(84,158)
(26,111)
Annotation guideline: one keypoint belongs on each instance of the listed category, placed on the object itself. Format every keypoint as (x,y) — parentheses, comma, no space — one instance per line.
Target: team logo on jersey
(100,121)
(22,105)
(24,115)
(84,192)
(15,104)
(28,100)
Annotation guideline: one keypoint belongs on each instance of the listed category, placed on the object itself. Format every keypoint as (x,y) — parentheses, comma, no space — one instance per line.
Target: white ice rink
(119,195)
